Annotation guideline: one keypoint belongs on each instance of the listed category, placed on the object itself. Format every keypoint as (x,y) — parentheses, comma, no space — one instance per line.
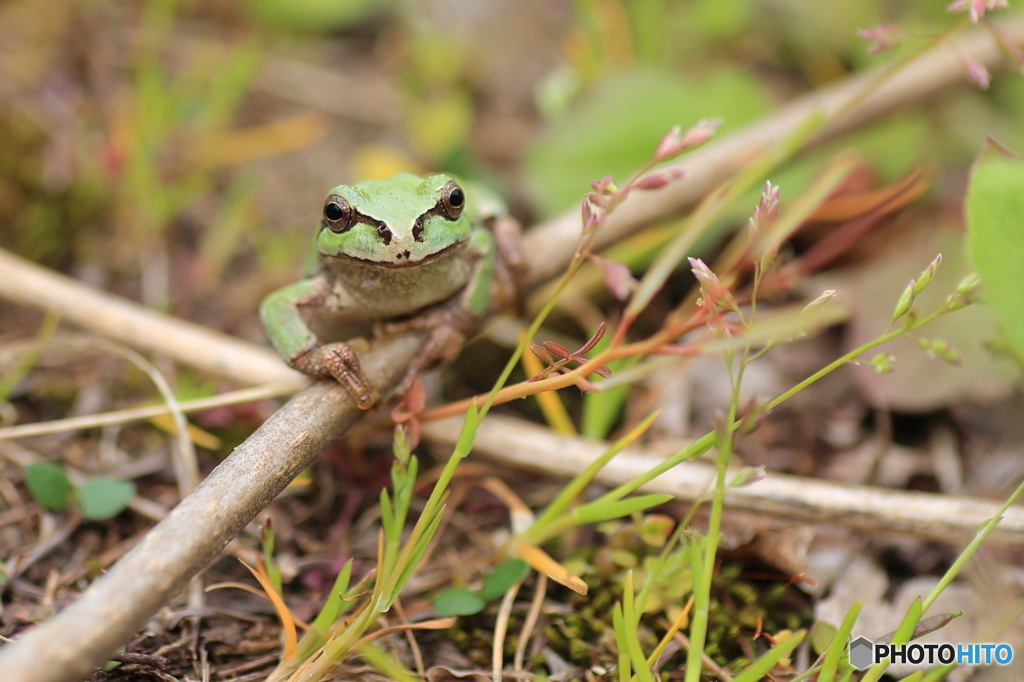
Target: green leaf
(332,607)
(630,620)
(913,677)
(102,498)
(507,574)
(822,634)
(602,408)
(458,601)
(48,485)
(902,635)
(656,529)
(995,237)
(617,126)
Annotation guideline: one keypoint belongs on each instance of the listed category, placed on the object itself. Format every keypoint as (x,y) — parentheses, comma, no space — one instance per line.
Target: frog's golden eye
(453,200)
(338,213)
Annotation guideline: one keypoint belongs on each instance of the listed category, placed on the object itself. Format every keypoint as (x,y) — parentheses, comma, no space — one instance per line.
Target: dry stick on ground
(68,646)
(940,517)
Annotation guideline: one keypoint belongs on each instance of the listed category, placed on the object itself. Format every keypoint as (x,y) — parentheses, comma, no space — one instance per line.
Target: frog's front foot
(338,360)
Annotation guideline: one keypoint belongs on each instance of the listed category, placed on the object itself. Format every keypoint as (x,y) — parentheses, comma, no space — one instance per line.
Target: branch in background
(130,323)
(549,246)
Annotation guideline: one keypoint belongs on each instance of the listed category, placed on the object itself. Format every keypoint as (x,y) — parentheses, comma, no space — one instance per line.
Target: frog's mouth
(402,257)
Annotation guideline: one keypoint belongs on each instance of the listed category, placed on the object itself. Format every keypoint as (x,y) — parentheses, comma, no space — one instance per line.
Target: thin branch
(135,414)
(859,507)
(128,322)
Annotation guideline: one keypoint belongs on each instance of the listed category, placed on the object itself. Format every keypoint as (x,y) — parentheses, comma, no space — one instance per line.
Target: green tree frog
(401,255)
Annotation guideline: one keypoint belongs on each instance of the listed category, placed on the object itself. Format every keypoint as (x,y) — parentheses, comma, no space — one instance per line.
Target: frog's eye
(337,214)
(453,200)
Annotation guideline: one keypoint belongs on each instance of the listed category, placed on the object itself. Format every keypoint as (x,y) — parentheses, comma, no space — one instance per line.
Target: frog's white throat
(392,291)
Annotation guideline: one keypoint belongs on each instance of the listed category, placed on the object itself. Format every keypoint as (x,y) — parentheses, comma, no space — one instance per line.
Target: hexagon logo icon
(861,653)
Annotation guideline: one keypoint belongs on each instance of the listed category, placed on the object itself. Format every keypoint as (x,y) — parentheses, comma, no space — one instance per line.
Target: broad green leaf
(505,575)
(102,498)
(48,485)
(616,127)
(458,601)
(656,529)
(822,634)
(995,237)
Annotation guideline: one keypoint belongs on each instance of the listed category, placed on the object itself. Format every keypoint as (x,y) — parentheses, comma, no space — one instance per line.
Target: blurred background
(178,152)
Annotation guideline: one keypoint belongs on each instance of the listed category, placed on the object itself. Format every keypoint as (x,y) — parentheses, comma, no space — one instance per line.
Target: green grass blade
(761,666)
(830,666)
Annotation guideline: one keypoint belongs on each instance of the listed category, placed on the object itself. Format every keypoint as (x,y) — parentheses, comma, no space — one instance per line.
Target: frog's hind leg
(510,283)
(446,328)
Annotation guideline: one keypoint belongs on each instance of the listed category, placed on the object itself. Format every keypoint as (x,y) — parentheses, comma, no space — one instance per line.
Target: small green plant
(97,497)
(459,601)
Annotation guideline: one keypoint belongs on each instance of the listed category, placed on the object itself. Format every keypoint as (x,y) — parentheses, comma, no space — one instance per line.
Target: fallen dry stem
(135,414)
(941,517)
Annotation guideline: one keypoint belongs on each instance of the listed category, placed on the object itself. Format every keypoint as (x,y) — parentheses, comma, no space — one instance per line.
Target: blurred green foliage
(995,223)
(614,128)
(314,15)
(98,497)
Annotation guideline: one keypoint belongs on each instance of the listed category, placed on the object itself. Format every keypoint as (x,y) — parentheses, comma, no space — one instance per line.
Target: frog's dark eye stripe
(383,232)
(450,206)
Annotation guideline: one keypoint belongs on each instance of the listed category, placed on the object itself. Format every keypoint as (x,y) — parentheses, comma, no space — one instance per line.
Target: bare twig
(940,517)
(128,322)
(135,414)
